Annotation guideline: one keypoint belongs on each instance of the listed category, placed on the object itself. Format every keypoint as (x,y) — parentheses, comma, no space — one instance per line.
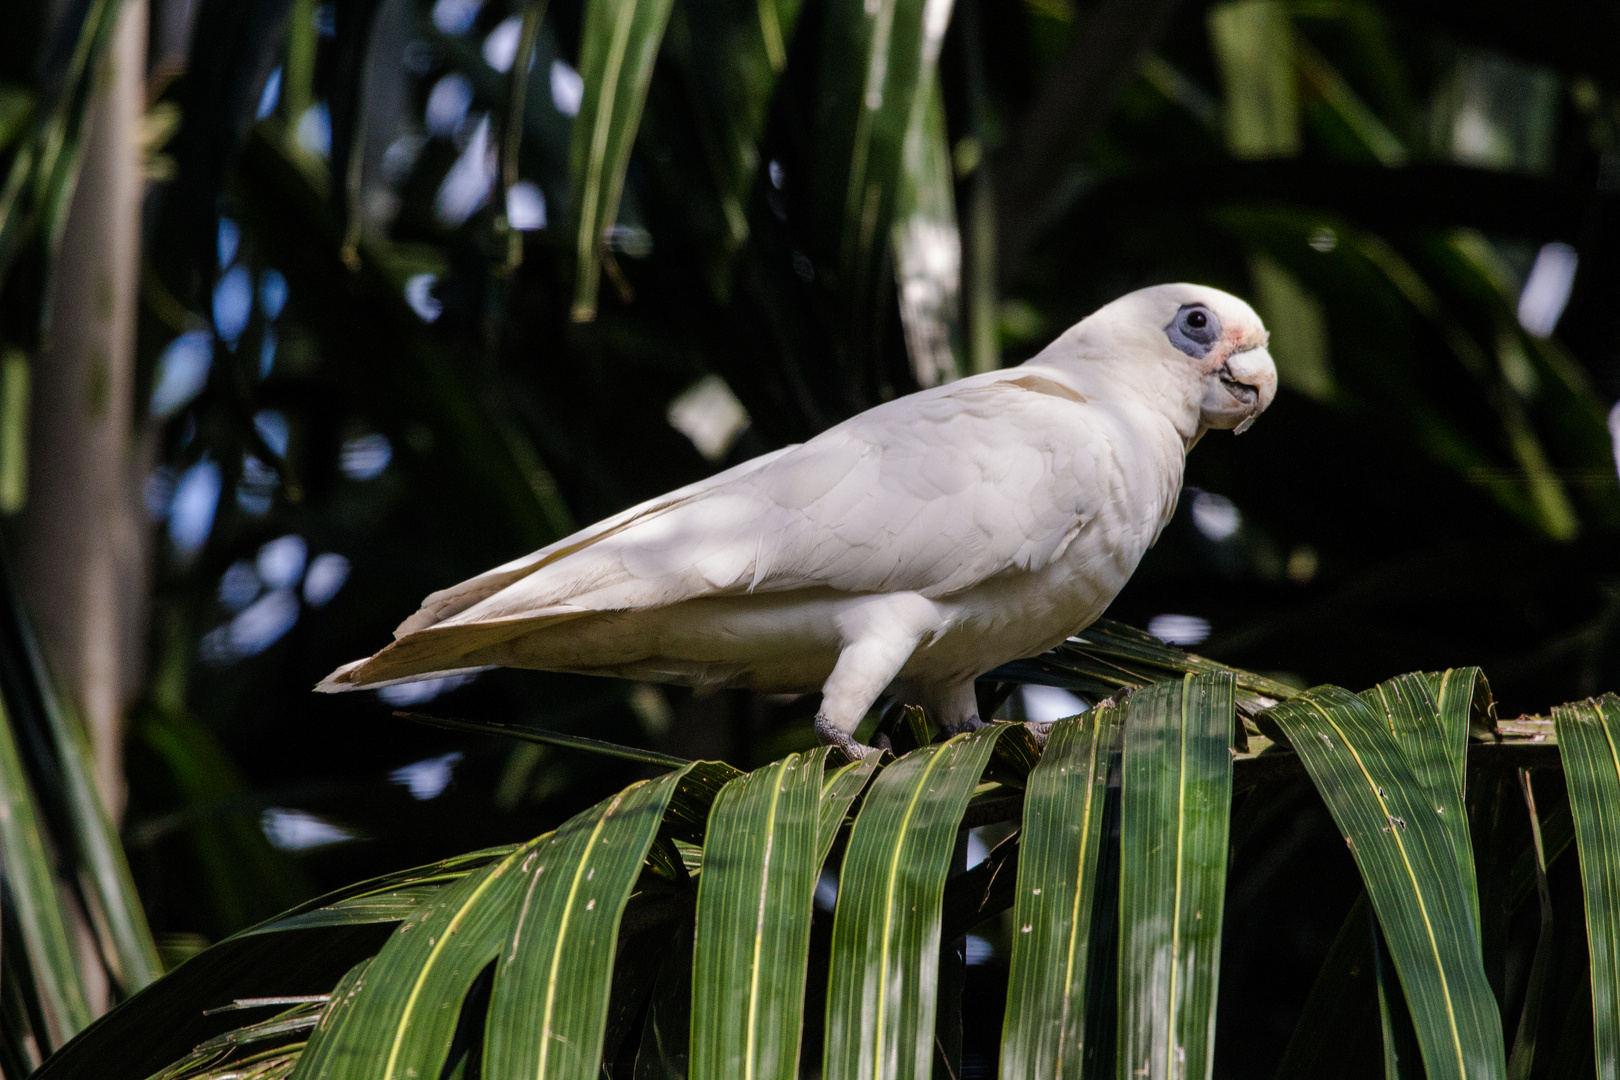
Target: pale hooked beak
(1239,390)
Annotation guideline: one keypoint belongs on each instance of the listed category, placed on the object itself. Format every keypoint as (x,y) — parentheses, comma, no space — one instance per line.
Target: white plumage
(912,547)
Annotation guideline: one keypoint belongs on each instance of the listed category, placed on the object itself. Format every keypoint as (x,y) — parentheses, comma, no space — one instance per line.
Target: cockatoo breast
(1130,468)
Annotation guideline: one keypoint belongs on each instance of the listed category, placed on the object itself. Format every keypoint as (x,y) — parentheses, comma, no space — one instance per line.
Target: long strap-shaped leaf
(127,942)
(549,1006)
(760,866)
(619,44)
(928,243)
(885,951)
(402,1018)
(388,898)
(733,55)
(335,1027)
(1589,744)
(1464,693)
(878,64)
(1042,1035)
(1175,808)
(1413,876)
(1434,742)
(838,791)
(129,948)
(1108,656)
(38,899)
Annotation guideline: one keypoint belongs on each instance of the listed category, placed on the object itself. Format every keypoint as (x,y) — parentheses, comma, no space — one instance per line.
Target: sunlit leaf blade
(886,930)
(406,1009)
(928,245)
(1464,692)
(877,73)
(129,949)
(1175,807)
(1411,872)
(37,899)
(1434,743)
(838,791)
(1058,861)
(549,1005)
(617,49)
(753,921)
(1589,744)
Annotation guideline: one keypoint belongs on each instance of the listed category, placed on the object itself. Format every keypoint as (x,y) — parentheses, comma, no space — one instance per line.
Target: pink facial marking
(1234,339)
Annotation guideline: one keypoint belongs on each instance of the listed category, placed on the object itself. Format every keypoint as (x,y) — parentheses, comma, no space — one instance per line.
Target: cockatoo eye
(1194,330)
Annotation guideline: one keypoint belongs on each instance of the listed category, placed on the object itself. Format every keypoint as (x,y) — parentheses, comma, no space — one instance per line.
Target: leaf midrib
(759,919)
(1079,886)
(589,233)
(918,787)
(433,959)
(1177,897)
(1423,909)
(562,928)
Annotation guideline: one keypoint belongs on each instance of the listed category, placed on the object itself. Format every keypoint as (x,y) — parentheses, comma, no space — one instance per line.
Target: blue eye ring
(1194,330)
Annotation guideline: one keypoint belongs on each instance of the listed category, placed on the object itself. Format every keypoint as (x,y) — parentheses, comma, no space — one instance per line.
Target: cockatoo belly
(789,642)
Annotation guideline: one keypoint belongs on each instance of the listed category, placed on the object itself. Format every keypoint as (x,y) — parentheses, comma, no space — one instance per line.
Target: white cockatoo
(910,548)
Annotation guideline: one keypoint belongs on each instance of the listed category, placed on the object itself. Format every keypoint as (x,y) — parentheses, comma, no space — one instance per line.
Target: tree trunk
(84,539)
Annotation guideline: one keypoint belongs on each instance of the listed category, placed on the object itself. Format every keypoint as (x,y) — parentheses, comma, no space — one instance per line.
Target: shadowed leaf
(1411,870)
(1589,743)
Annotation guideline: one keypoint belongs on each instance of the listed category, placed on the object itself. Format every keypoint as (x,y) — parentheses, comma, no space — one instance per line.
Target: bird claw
(829,734)
(972,723)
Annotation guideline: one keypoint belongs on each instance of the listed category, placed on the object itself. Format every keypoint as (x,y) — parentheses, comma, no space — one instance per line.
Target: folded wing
(933,493)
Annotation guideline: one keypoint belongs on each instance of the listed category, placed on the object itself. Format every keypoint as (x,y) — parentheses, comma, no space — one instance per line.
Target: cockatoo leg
(880,639)
(954,707)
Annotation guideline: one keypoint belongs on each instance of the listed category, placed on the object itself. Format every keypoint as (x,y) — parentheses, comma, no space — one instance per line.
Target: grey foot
(829,734)
(972,723)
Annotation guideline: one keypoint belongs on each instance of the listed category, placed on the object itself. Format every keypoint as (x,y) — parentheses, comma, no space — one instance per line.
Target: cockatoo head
(1197,353)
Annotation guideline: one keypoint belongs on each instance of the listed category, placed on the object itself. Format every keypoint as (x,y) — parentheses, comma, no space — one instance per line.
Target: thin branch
(549,738)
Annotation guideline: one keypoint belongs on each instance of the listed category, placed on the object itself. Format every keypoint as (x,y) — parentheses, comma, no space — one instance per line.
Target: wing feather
(445,603)
(932,494)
